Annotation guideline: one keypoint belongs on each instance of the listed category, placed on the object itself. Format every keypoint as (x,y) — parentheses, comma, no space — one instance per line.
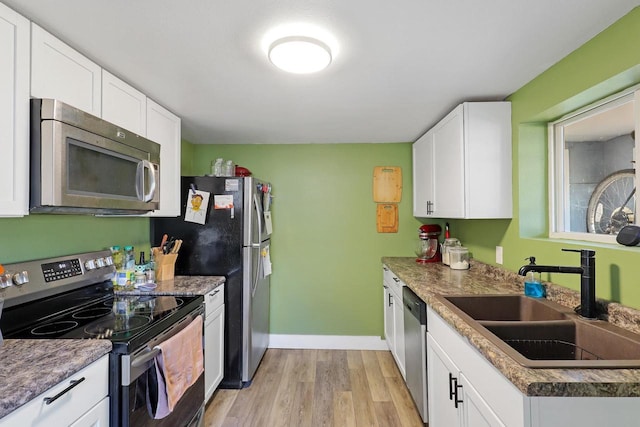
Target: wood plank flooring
(296,388)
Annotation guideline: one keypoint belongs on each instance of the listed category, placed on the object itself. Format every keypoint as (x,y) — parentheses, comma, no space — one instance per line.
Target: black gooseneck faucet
(587,272)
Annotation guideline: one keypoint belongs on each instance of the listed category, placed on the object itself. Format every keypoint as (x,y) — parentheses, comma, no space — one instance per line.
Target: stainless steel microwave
(85,165)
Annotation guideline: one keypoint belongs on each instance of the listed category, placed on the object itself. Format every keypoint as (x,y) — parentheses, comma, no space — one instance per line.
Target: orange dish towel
(180,363)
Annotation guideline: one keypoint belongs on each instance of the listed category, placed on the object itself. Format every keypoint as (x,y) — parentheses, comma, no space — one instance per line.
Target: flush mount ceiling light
(300,54)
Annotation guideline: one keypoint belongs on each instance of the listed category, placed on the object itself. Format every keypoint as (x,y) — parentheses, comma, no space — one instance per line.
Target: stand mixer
(428,249)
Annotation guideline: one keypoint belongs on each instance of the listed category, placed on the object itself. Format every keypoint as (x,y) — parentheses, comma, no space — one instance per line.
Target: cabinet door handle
(214,292)
(429,207)
(73,383)
(396,280)
(390,300)
(451,386)
(457,401)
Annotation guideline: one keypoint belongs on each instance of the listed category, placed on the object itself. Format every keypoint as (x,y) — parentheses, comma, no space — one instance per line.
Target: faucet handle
(588,253)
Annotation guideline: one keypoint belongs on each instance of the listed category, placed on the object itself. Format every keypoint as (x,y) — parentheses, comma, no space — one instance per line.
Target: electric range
(71,297)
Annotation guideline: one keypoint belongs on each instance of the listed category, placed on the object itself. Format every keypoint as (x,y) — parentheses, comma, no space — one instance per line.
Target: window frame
(558,164)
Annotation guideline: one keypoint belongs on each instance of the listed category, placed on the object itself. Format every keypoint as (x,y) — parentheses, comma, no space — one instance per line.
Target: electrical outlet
(498,254)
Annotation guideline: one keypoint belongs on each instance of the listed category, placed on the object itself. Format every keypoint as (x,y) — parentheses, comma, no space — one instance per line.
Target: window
(592,169)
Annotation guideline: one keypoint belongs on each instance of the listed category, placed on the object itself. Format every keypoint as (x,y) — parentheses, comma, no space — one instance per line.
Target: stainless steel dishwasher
(415,330)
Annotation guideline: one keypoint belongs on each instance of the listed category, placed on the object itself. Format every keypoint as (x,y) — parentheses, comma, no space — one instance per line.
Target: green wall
(605,65)
(46,235)
(327,277)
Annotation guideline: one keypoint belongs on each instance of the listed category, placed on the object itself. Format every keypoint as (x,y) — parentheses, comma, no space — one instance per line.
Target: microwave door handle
(144,166)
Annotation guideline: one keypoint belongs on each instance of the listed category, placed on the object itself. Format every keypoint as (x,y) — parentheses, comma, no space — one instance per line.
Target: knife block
(165,266)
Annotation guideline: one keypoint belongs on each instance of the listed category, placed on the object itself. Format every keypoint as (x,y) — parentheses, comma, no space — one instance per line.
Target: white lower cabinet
(213,341)
(394,317)
(465,389)
(98,416)
(80,400)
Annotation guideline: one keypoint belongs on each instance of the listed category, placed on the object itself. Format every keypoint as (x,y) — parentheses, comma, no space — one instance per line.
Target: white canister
(459,258)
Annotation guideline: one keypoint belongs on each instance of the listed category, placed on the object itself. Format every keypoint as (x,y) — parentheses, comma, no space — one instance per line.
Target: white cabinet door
(213,341)
(163,127)
(14,113)
(469,175)
(60,72)
(398,324)
(123,105)
(98,416)
(423,177)
(475,411)
(448,166)
(440,384)
(214,352)
(388,317)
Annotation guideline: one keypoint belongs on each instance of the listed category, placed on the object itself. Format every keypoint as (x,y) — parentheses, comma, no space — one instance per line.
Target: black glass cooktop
(93,313)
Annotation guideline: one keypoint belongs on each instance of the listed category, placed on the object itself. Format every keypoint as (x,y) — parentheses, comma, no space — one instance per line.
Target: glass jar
(448,244)
(229,168)
(216,167)
(459,258)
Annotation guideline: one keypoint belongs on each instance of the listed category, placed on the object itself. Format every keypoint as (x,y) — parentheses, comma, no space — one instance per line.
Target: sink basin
(538,333)
(569,343)
(507,307)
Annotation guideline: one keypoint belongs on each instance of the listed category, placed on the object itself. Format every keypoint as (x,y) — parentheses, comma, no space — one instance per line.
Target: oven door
(80,169)
(137,381)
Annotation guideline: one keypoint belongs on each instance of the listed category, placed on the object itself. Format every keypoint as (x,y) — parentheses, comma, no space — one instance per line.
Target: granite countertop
(31,367)
(428,280)
(181,285)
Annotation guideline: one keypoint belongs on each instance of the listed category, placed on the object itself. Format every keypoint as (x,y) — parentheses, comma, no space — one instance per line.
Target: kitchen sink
(507,307)
(538,333)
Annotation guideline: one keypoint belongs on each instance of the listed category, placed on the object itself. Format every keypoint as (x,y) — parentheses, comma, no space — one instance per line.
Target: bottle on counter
(533,286)
(116,254)
(129,258)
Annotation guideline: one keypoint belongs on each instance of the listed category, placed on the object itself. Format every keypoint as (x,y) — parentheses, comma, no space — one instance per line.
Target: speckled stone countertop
(31,367)
(181,285)
(428,280)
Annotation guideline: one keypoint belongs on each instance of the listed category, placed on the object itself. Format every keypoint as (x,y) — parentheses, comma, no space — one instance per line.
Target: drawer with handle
(214,299)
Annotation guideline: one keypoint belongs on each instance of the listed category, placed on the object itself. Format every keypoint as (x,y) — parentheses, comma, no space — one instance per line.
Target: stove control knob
(5,280)
(90,264)
(108,260)
(21,278)
(100,262)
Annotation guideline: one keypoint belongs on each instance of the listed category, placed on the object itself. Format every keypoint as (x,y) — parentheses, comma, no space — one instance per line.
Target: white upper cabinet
(123,105)
(14,113)
(466,170)
(423,174)
(60,72)
(163,127)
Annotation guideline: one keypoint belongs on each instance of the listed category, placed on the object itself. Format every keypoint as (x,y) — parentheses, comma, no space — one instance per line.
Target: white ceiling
(401,65)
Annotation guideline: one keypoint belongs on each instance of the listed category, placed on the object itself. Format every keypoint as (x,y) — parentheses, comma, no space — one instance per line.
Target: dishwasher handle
(414,305)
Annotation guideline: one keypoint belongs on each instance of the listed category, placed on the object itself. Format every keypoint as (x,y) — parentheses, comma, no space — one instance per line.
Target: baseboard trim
(327,342)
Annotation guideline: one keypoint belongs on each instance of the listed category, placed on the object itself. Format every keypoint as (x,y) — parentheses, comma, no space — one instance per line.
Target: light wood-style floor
(318,388)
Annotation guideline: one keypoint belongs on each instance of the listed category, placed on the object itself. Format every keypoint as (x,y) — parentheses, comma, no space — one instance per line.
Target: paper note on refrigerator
(266,261)
(197,202)
(267,223)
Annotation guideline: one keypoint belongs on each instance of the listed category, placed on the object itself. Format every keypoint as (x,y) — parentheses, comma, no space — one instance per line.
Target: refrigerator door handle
(256,277)
(259,218)
(257,246)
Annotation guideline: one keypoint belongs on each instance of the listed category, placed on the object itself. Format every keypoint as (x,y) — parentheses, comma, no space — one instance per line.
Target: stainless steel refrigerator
(233,242)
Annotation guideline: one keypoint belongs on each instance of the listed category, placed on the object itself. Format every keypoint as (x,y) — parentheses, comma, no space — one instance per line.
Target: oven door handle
(142,360)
